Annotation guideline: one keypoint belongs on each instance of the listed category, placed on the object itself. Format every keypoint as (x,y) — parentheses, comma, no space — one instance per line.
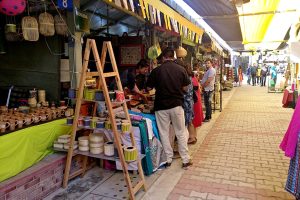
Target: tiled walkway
(240,158)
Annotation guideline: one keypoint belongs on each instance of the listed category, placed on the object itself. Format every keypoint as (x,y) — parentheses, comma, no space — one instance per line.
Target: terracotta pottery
(4,126)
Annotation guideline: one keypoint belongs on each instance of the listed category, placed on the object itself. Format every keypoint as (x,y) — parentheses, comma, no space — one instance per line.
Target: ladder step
(110,74)
(138,186)
(92,74)
(75,174)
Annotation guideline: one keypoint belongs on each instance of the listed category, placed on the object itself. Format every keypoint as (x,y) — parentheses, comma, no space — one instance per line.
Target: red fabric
(287,98)
(198,111)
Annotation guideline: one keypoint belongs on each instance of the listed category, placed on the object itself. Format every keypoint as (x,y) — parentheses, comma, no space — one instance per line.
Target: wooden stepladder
(100,75)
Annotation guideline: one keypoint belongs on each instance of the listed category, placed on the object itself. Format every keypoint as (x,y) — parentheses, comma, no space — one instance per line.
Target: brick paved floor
(240,158)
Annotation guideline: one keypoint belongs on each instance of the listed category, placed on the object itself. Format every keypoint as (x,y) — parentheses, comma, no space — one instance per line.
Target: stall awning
(264,23)
(221,16)
(258,24)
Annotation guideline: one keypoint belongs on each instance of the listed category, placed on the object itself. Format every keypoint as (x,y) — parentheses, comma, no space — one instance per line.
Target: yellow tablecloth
(21,149)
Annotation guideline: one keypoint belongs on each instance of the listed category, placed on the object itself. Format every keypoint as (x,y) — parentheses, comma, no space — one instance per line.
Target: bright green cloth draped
(21,149)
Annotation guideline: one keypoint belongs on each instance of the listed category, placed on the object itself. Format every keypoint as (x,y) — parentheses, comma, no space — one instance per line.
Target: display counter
(22,149)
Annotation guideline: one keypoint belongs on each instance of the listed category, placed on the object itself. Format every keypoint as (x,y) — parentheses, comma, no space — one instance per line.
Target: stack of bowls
(83,143)
(96,143)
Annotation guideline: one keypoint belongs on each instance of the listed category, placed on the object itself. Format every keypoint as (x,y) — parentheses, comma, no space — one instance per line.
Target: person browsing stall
(208,84)
(170,81)
(136,79)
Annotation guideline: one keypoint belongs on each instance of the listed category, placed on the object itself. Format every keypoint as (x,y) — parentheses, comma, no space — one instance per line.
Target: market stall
(24,148)
(40,97)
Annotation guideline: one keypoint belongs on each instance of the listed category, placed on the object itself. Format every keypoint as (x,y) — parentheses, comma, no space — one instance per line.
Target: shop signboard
(65,4)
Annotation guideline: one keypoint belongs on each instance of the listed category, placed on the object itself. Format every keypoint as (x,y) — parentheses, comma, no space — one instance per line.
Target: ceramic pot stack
(62,142)
(96,143)
(83,143)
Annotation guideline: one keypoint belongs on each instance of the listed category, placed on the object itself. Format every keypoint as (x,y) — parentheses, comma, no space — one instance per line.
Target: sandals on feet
(192,141)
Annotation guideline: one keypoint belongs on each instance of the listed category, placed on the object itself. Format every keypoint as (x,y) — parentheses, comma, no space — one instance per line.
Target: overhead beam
(273,41)
(112,4)
(114,21)
(247,14)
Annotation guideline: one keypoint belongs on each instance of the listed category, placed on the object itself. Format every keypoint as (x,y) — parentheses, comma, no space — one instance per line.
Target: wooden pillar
(75,49)
(153,36)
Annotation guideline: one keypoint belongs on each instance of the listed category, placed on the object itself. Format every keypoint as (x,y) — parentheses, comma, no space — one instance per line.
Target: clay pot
(4,126)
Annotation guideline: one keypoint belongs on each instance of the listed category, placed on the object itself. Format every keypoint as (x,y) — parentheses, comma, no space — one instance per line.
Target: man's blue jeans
(207,103)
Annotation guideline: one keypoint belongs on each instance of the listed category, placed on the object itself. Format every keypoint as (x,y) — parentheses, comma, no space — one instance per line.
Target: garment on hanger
(289,142)
(293,181)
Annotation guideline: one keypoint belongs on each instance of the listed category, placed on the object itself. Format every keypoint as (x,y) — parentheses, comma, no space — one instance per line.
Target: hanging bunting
(196,38)
(166,21)
(151,10)
(131,5)
(125,4)
(175,25)
(180,29)
(158,17)
(189,34)
(147,10)
(118,3)
(193,36)
(151,14)
(172,23)
(142,8)
(160,5)
(185,32)
(169,23)
(154,15)
(200,38)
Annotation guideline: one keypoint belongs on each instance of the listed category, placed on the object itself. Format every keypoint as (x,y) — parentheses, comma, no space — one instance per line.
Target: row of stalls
(42,45)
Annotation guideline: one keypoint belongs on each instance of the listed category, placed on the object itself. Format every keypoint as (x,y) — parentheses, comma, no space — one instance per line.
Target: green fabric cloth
(21,149)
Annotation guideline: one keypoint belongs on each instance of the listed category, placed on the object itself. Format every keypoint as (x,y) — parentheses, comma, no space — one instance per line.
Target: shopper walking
(264,72)
(208,83)
(258,75)
(253,75)
(273,74)
(248,73)
(240,73)
(170,81)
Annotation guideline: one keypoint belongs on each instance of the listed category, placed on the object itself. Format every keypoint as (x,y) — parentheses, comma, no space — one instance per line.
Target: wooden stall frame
(100,75)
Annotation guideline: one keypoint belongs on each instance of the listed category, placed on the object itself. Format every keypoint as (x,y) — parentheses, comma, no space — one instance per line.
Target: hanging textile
(289,142)
(293,182)
(152,118)
(146,162)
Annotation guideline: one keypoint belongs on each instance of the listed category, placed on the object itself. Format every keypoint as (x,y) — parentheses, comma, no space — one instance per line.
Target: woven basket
(60,25)
(181,52)
(11,33)
(30,28)
(46,24)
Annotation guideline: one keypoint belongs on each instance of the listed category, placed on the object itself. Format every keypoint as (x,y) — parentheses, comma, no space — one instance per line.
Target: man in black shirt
(170,81)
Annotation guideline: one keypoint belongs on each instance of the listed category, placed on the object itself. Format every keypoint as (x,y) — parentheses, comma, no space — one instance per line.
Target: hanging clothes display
(289,142)
(293,181)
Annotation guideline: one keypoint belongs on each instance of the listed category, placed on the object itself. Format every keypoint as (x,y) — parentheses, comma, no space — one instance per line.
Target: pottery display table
(21,149)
